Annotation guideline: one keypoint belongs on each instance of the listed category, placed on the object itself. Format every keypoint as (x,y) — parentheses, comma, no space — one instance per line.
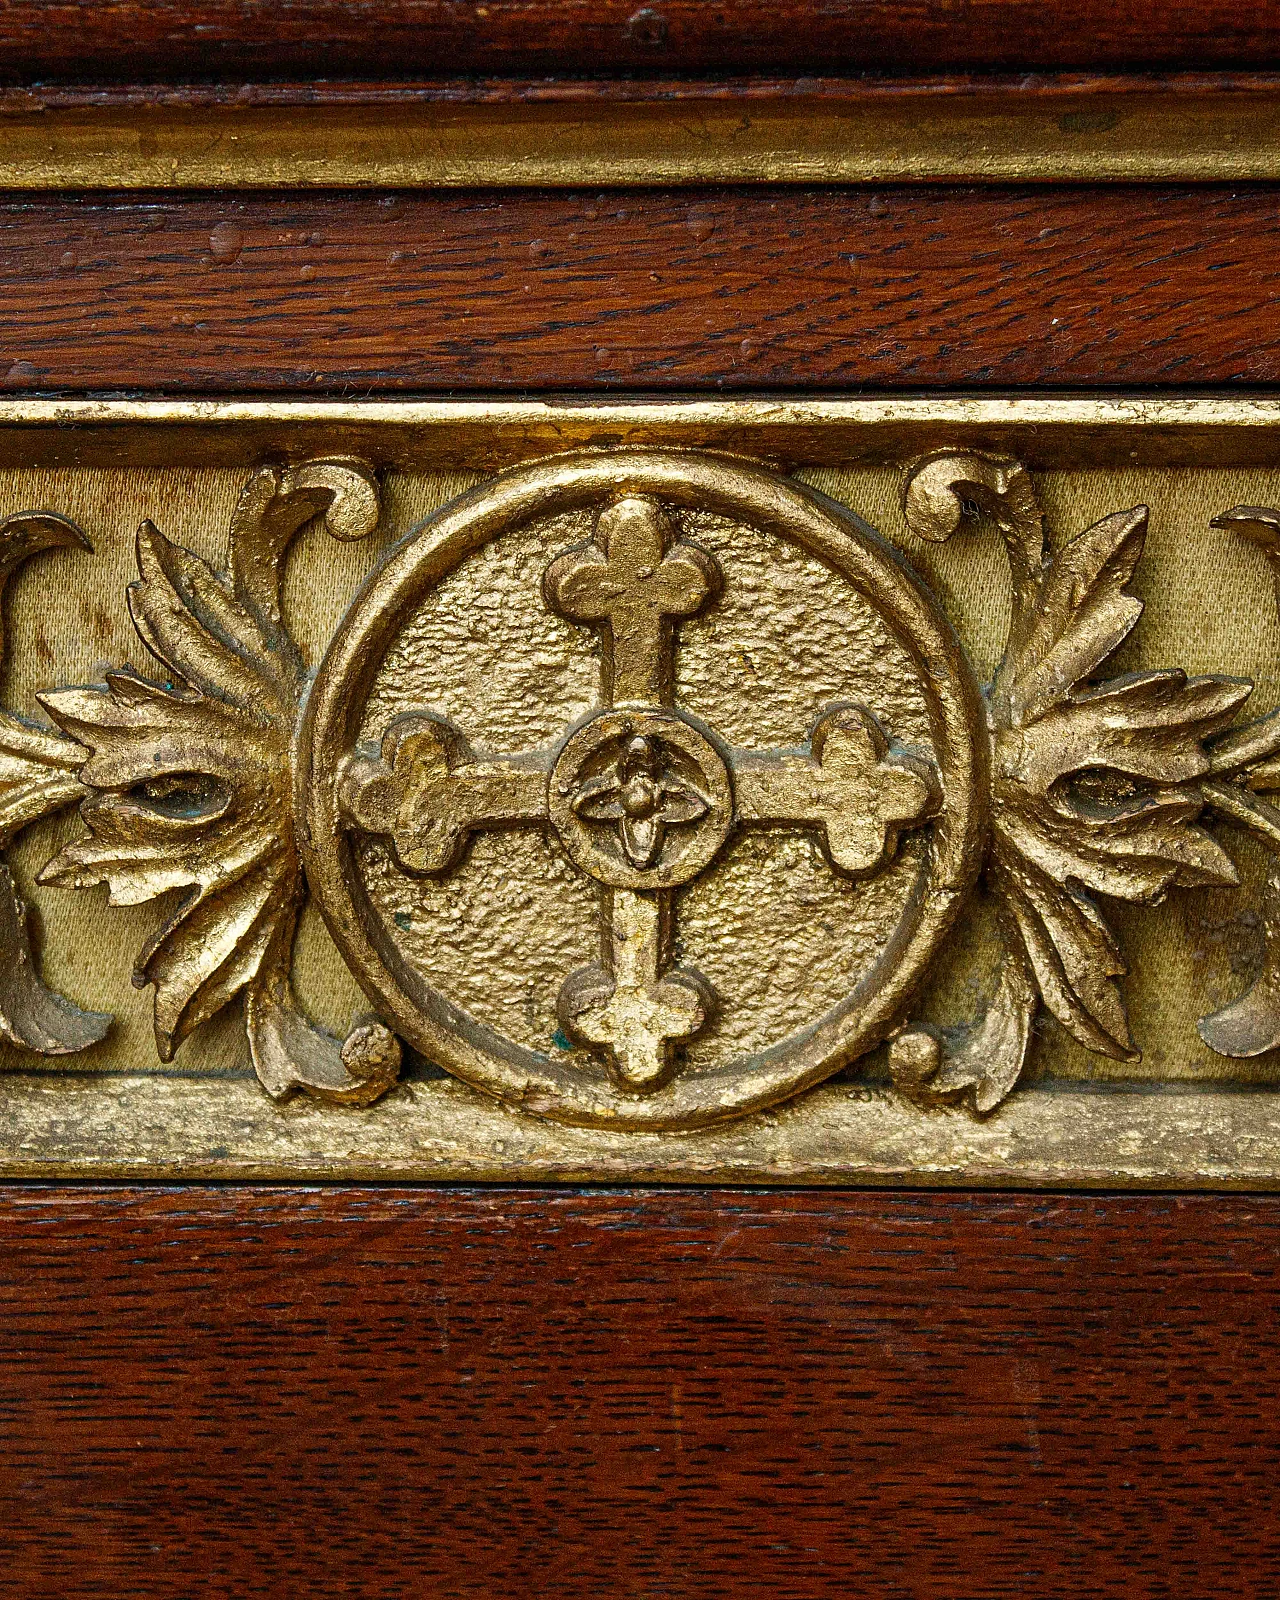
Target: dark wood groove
(765,89)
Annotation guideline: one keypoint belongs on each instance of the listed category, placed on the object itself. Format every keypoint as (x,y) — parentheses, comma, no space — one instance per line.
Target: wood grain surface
(211,38)
(522,1393)
(742,289)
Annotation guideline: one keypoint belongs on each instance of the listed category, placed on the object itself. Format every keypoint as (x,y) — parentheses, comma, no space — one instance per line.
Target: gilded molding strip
(679,812)
(1043,431)
(850,1136)
(866,135)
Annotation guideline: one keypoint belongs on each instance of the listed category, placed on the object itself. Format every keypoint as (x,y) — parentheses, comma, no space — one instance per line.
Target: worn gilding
(676,817)
(838,132)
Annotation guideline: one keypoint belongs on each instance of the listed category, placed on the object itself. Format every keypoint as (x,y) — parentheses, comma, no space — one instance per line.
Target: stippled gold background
(780,937)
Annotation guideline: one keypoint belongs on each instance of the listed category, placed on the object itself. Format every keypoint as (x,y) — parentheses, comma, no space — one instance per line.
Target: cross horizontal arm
(849,784)
(428,792)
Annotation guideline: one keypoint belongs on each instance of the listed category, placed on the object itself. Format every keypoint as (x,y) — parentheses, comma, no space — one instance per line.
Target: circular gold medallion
(639,788)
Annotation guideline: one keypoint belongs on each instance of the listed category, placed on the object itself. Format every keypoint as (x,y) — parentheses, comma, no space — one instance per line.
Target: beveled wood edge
(1196,128)
(88,1126)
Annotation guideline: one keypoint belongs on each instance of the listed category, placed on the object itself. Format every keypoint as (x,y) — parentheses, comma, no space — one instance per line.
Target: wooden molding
(741,290)
(1184,128)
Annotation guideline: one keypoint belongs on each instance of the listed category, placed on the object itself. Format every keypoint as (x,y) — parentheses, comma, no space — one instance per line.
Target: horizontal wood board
(211,38)
(511,1392)
(724,289)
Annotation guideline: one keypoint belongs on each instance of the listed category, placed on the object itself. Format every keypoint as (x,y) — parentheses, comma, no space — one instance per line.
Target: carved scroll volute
(1096,786)
(189,783)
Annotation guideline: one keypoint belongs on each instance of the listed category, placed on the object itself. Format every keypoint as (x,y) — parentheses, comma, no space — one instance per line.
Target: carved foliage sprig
(1096,786)
(38,777)
(191,783)
(1244,781)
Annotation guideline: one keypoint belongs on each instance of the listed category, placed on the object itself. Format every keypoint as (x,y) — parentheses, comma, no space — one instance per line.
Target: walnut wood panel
(207,38)
(735,289)
(514,1392)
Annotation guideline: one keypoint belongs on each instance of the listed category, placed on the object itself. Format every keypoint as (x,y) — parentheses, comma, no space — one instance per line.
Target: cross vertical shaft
(632,581)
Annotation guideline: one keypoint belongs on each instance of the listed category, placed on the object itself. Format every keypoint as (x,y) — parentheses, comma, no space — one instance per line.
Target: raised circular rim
(699,852)
(459,1042)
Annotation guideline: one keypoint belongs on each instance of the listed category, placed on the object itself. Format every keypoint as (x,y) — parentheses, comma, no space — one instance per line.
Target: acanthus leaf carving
(1096,786)
(190,783)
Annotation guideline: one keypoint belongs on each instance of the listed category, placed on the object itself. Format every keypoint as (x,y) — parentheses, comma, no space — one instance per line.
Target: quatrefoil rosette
(640,789)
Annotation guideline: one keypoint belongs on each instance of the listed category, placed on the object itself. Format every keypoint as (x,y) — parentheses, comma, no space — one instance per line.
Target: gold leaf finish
(648,794)
(1094,784)
(864,130)
(192,777)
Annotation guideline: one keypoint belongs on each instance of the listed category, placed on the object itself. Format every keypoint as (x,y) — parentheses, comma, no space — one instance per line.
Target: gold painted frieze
(824,792)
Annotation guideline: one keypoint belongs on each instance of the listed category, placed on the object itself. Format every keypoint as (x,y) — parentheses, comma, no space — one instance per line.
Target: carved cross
(635,790)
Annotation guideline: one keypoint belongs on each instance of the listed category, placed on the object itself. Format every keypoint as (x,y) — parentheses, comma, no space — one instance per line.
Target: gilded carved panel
(828,792)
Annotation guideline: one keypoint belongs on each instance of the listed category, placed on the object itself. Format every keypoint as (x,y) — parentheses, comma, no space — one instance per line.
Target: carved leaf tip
(277,502)
(938,485)
(23,745)
(1250,1024)
(978,1064)
(38,776)
(1261,524)
(354,500)
(23,533)
(32,1016)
